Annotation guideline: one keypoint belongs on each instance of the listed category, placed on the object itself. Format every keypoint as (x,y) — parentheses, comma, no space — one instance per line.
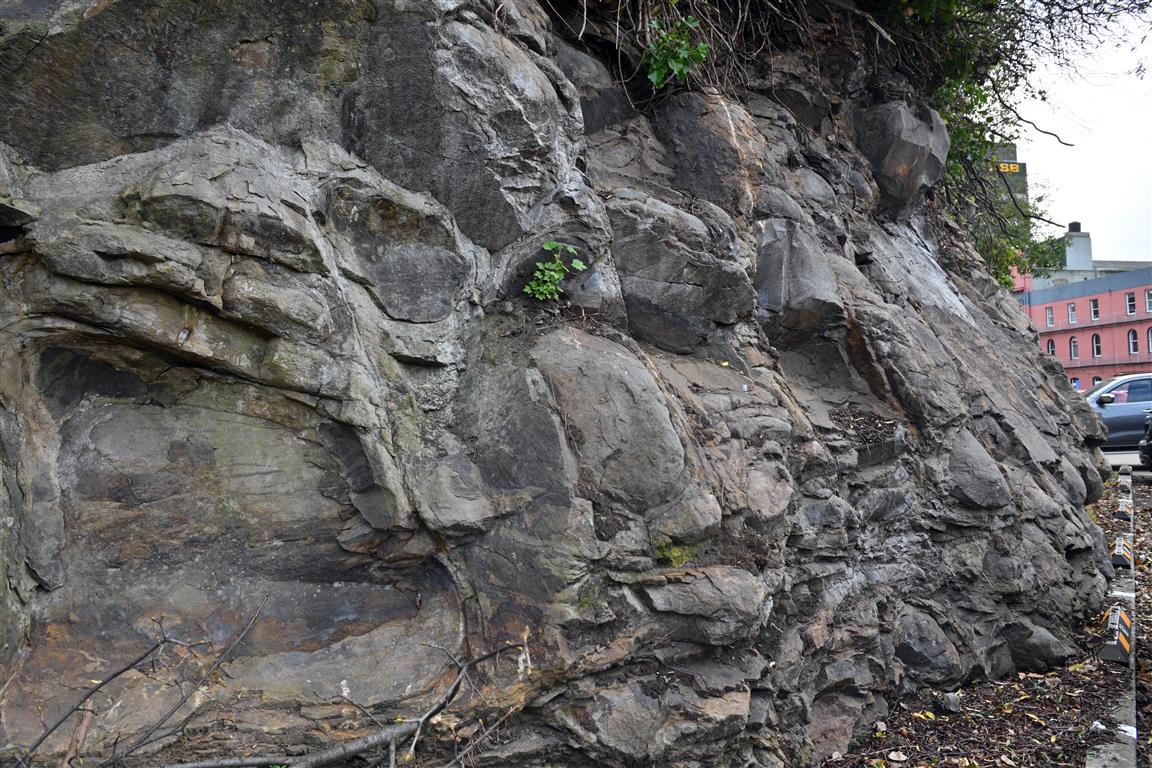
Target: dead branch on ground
(220,659)
(387,736)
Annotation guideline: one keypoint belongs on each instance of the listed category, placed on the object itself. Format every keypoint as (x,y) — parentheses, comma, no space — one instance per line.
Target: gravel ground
(1027,720)
(863,425)
(1143,552)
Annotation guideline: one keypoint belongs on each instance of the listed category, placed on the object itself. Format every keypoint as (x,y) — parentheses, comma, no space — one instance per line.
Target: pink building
(1097,328)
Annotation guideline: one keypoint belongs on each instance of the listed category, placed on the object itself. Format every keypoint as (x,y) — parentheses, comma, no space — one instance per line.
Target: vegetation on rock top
(973,61)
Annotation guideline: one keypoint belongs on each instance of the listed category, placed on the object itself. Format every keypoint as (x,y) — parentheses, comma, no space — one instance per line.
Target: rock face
(263,335)
(907,150)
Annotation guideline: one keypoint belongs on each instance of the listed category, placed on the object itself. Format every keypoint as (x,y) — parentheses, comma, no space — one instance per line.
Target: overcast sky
(1105,181)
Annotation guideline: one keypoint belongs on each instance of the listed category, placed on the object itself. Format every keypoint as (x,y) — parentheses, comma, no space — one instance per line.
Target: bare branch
(183,699)
(78,737)
(90,693)
(479,740)
(1026,121)
(448,695)
(386,736)
(238,762)
(369,715)
(1016,203)
(868,18)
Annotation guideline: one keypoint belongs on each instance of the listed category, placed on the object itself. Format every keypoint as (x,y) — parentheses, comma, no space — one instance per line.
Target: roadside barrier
(1118,626)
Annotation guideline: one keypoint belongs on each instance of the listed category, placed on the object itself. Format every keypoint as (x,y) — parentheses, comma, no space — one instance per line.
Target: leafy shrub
(672,53)
(545,282)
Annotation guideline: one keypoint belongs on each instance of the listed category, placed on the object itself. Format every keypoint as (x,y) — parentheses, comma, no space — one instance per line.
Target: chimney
(1078,248)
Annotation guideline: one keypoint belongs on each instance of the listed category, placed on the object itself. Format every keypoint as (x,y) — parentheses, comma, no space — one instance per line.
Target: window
(1073,348)
(1049,317)
(1148,299)
(1138,391)
(1096,380)
(1072,312)
(1075,383)
(1095,345)
(1150,339)
(1052,343)
(1133,343)
(1094,308)
(1130,303)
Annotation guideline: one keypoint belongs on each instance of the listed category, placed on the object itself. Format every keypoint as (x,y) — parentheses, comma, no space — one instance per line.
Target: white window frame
(1130,303)
(1097,347)
(1052,344)
(1049,316)
(1072,313)
(1150,338)
(1133,342)
(1148,299)
(1096,380)
(1073,348)
(1094,308)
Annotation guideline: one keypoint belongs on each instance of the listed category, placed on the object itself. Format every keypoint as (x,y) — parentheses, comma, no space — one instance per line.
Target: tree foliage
(976,61)
(673,51)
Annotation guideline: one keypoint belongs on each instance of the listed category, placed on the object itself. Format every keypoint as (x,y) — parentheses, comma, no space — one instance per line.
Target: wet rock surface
(263,333)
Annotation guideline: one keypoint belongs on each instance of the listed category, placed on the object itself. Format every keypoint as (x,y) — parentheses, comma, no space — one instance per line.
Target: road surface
(1120,458)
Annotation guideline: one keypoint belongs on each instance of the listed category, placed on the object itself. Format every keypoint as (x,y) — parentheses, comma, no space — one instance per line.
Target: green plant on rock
(676,555)
(672,51)
(545,282)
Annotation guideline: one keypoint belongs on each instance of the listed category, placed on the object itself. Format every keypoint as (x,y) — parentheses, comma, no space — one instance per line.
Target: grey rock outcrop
(682,279)
(262,332)
(976,480)
(907,150)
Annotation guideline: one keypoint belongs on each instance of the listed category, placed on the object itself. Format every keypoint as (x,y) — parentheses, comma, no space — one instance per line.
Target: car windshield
(1097,387)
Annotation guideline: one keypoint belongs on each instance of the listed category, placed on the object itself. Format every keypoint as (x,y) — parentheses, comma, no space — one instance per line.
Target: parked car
(1146,444)
(1121,403)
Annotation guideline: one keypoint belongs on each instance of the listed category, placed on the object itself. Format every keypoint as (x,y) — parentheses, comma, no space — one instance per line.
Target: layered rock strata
(788,452)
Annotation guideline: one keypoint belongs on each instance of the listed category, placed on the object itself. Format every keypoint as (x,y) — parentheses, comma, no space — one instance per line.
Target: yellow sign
(1008,167)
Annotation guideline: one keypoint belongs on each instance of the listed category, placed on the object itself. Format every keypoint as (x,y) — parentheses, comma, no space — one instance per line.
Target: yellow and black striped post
(1122,554)
(1117,625)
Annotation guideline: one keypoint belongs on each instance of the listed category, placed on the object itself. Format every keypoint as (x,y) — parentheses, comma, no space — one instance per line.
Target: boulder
(681,278)
(603,103)
(1034,647)
(718,605)
(16,213)
(648,720)
(928,655)
(976,479)
(622,429)
(906,147)
(719,151)
(453,498)
(796,287)
(415,262)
